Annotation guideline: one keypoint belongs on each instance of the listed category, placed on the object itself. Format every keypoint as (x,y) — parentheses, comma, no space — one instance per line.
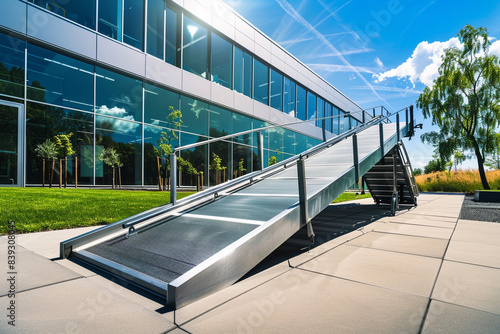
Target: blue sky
(375,52)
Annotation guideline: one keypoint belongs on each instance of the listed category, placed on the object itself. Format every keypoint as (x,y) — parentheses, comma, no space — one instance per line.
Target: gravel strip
(482,211)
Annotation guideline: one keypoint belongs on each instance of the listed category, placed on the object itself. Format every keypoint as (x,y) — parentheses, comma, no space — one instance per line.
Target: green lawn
(350,197)
(38,209)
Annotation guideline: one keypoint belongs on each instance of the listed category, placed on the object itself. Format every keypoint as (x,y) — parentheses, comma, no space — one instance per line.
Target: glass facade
(221,61)
(101,107)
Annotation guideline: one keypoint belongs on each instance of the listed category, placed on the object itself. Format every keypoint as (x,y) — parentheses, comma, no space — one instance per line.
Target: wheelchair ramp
(211,239)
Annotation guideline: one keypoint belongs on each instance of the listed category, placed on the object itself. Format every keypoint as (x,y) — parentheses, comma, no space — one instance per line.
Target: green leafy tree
(493,161)
(241,167)
(417,171)
(111,158)
(464,101)
(164,147)
(64,149)
(436,165)
(47,151)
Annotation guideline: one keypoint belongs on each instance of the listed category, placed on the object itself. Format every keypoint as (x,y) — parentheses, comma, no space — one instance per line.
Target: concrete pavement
(423,271)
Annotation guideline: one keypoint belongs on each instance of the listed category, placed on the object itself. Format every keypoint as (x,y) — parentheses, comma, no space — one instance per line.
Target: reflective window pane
(290,142)
(11,66)
(9,143)
(335,120)
(133,23)
(301,103)
(222,61)
(118,95)
(157,103)
(320,112)
(242,123)
(194,116)
(311,107)
(242,160)
(110,18)
(220,122)
(44,122)
(126,139)
(276,90)
(242,72)
(59,80)
(79,11)
(289,97)
(261,82)
(155,28)
(195,48)
(197,157)
(171,37)
(152,134)
(328,113)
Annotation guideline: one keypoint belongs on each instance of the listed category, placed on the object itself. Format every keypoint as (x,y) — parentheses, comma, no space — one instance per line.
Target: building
(111,72)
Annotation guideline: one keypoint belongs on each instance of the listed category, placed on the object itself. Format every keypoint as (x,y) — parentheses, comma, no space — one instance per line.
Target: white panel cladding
(314,131)
(202,10)
(15,17)
(220,11)
(223,27)
(159,71)
(179,2)
(262,53)
(245,28)
(278,63)
(195,85)
(290,119)
(222,95)
(291,72)
(245,41)
(120,56)
(243,103)
(302,127)
(260,111)
(50,28)
(263,41)
(276,116)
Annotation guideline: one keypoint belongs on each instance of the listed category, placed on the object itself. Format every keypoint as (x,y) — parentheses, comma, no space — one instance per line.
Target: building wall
(110,91)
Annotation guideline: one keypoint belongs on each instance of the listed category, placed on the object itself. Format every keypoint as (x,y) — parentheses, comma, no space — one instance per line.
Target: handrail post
(173,178)
(355,156)
(406,118)
(381,132)
(397,127)
(301,177)
(260,148)
(323,129)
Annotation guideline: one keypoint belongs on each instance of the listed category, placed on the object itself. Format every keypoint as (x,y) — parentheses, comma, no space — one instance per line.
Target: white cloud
(118,125)
(423,64)
(495,48)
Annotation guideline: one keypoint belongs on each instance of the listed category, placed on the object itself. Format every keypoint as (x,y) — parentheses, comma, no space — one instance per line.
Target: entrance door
(11,147)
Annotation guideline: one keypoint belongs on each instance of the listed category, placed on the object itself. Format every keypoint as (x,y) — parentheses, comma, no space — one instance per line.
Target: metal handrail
(245,180)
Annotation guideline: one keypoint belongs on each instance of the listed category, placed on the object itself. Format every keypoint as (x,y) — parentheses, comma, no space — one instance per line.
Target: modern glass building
(109,72)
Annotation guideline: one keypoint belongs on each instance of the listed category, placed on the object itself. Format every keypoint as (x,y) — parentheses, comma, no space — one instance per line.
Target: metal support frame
(381,132)
(260,148)
(397,128)
(394,199)
(301,176)
(173,178)
(355,156)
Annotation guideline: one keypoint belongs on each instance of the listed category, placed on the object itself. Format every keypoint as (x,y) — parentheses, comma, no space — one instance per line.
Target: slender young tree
(465,99)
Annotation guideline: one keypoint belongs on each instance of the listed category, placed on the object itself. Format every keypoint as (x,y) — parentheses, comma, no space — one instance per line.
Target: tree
(436,165)
(493,161)
(47,151)
(417,171)
(464,101)
(64,149)
(164,148)
(111,158)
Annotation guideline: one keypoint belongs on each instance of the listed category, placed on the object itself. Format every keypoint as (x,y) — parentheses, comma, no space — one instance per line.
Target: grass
(459,181)
(39,209)
(350,197)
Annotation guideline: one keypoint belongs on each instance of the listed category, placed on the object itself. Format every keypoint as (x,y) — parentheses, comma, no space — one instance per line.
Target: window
(301,103)
(133,23)
(79,11)
(151,136)
(220,122)
(335,120)
(110,19)
(328,113)
(242,123)
(155,28)
(157,103)
(118,95)
(222,61)
(242,72)
(261,82)
(59,80)
(44,122)
(276,90)
(194,116)
(195,43)
(320,113)
(11,66)
(171,37)
(289,97)
(125,138)
(311,107)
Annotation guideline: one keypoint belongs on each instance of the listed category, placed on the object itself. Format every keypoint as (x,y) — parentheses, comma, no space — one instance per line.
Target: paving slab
(477,232)
(47,243)
(305,302)
(415,230)
(474,253)
(403,272)
(469,285)
(423,246)
(415,219)
(444,318)
(34,271)
(80,306)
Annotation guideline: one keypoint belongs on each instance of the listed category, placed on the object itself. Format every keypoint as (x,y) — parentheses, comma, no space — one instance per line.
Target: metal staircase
(391,180)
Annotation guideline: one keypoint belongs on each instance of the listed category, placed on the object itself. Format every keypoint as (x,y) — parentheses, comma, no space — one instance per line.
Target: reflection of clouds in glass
(118,125)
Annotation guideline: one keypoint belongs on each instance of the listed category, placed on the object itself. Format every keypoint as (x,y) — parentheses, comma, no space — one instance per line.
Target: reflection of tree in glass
(11,80)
